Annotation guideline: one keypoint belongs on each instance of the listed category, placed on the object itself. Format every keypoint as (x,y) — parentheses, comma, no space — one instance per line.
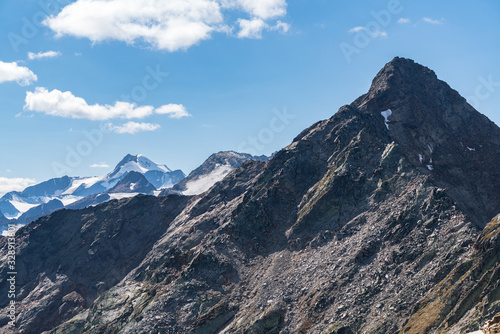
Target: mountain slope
(213,170)
(39,211)
(133,182)
(467,295)
(346,230)
(113,240)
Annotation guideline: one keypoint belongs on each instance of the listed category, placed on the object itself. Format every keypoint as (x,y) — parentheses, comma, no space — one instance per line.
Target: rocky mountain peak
(137,163)
(403,82)
(402,74)
(438,131)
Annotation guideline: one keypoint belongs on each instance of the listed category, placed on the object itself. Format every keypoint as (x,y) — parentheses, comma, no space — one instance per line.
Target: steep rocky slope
(67,259)
(352,228)
(469,295)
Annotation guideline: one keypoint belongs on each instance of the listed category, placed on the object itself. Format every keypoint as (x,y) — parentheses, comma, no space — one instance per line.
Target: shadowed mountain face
(133,182)
(352,228)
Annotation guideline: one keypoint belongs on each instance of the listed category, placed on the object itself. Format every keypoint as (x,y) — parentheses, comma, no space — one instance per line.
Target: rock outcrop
(492,326)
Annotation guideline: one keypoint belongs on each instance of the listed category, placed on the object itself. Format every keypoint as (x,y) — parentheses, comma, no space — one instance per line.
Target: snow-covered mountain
(160,176)
(213,170)
(133,175)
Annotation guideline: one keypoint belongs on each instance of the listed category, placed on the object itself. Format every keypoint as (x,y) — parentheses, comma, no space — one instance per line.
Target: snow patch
(471,149)
(87,182)
(421,158)
(67,200)
(22,207)
(132,186)
(122,195)
(430,167)
(205,182)
(386,115)
(430,148)
(142,165)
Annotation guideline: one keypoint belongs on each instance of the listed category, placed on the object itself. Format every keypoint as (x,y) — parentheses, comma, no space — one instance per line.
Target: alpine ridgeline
(134,174)
(377,220)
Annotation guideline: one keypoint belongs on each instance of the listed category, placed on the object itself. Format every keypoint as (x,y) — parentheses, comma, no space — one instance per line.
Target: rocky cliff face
(362,224)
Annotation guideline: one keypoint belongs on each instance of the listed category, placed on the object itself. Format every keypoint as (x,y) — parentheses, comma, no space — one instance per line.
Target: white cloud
(100,165)
(282,27)
(432,21)
(65,104)
(356,29)
(176,111)
(378,34)
(41,55)
(255,27)
(167,25)
(132,127)
(251,28)
(263,9)
(14,184)
(372,34)
(404,20)
(13,72)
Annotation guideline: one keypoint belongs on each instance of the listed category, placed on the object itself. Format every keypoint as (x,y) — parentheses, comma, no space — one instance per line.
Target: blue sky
(190,78)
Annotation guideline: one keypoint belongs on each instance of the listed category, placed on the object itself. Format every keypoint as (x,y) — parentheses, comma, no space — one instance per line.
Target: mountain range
(46,197)
(134,174)
(383,218)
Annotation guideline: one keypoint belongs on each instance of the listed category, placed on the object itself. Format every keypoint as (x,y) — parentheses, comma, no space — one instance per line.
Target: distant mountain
(39,211)
(7,209)
(38,193)
(91,200)
(213,170)
(160,176)
(133,182)
(49,196)
(4,224)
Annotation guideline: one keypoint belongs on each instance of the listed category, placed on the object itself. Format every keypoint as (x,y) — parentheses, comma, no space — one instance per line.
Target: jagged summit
(138,163)
(438,131)
(402,74)
(403,80)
